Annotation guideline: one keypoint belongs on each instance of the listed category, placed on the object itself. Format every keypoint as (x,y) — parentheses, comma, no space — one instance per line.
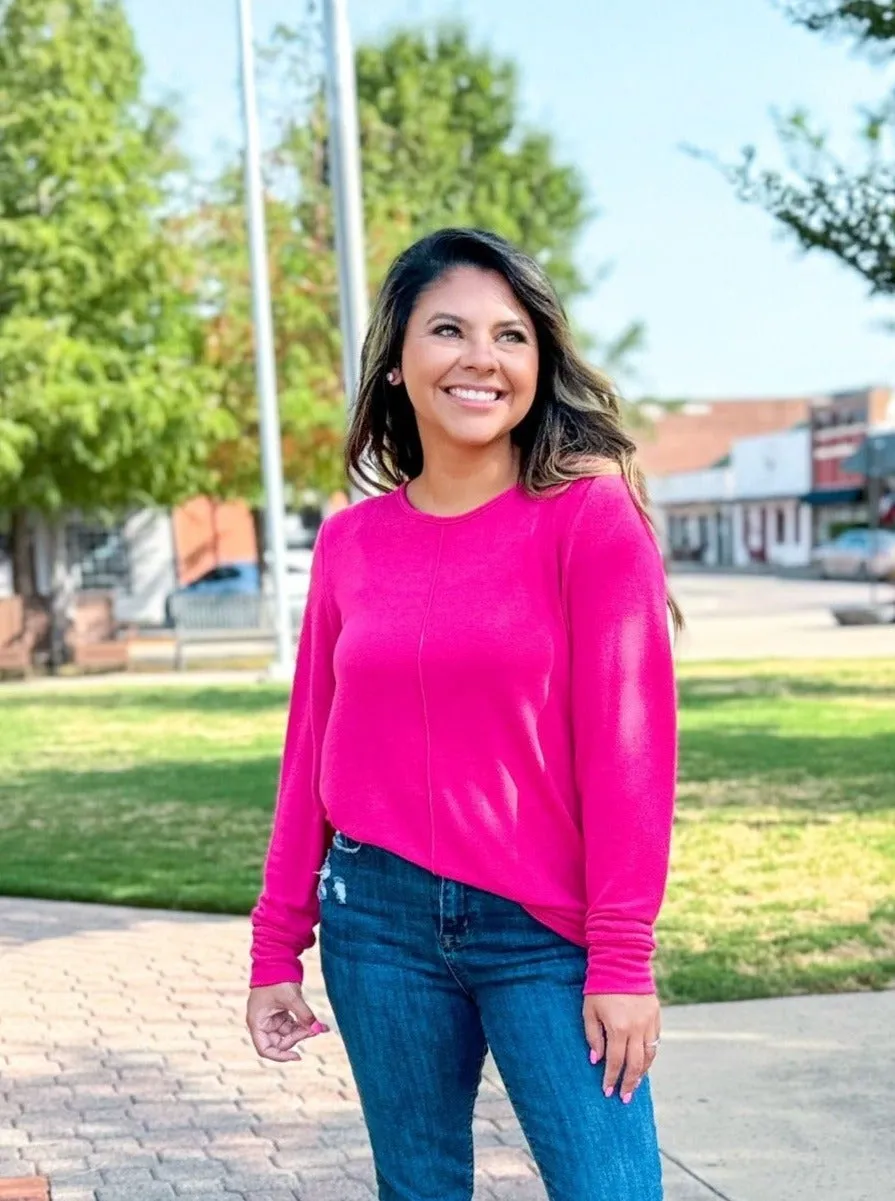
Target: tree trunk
(23,581)
(61,592)
(258,521)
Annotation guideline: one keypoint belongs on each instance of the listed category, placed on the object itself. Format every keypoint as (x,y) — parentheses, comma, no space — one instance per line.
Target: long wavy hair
(575,427)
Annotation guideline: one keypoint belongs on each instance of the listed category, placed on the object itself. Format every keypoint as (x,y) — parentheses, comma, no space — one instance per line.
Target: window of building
(100,555)
(797,524)
(781,525)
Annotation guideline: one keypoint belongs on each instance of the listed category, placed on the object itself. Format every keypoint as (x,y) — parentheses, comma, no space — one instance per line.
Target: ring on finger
(654,1043)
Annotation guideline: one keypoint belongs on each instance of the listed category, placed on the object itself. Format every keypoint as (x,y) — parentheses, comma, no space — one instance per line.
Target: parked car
(227,579)
(859,554)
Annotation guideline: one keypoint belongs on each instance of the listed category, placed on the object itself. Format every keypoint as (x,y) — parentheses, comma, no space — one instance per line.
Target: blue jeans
(423,975)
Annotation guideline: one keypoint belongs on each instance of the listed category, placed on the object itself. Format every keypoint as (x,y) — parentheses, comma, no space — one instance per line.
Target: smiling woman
(476,792)
(469,365)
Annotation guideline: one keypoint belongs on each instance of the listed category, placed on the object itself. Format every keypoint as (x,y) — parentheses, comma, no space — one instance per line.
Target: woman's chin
(476,430)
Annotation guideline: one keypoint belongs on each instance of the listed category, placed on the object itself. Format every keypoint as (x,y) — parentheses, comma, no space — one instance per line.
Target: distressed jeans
(424,975)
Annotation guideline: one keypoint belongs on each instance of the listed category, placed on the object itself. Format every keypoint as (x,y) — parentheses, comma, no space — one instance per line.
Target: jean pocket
(342,842)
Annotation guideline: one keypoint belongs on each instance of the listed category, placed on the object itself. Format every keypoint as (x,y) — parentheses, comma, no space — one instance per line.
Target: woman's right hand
(278,1019)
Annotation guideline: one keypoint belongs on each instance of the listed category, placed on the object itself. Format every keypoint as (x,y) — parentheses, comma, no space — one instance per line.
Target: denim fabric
(423,975)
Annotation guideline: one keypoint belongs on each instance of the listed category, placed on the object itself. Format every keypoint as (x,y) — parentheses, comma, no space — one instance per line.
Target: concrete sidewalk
(126,1075)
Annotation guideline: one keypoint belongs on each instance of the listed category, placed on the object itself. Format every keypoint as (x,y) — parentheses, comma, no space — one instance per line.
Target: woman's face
(470,359)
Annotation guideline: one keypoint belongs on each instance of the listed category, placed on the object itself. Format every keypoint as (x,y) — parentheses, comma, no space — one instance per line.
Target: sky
(731,308)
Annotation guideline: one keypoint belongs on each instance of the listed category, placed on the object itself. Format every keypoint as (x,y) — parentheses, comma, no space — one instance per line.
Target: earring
(392,377)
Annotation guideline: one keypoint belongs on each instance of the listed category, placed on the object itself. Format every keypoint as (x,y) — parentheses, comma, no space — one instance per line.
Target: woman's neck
(445,489)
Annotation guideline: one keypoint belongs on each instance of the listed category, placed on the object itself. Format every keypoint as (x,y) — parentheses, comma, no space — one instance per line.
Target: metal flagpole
(345,173)
(265,364)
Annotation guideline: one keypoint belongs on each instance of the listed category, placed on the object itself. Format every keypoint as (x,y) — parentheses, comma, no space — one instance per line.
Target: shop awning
(833,496)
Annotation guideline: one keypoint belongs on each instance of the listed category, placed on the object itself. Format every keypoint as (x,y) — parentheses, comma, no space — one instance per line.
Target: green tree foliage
(102,404)
(103,399)
(442,143)
(824,203)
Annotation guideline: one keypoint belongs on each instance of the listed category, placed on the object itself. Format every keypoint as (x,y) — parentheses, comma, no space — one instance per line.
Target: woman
(477,784)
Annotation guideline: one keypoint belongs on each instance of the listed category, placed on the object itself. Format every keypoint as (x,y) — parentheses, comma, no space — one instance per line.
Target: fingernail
(319,1028)
(593,1057)
(607,1092)
(626,1098)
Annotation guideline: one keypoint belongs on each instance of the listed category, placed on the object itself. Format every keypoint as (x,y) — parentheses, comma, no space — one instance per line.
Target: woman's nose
(478,353)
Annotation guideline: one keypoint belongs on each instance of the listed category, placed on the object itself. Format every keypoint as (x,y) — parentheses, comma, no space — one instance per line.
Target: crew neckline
(452,519)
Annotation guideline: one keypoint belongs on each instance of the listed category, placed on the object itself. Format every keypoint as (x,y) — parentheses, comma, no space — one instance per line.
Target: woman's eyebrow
(511,321)
(445,317)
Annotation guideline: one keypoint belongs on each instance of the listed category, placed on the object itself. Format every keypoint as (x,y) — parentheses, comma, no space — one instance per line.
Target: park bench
(226,622)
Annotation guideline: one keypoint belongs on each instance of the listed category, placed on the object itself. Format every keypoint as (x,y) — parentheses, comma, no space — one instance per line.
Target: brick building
(759,481)
(688,456)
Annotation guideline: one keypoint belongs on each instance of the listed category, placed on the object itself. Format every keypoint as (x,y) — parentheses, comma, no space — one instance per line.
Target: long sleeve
(624,720)
(284,918)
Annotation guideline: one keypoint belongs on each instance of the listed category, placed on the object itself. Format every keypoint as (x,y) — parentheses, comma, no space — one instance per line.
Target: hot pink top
(490,696)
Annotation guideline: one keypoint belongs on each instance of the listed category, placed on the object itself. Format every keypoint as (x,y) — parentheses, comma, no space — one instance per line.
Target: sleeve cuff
(289,971)
(617,971)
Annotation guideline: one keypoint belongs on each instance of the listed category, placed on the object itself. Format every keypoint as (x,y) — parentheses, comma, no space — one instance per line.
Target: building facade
(143,557)
(695,515)
(740,483)
(770,476)
(839,425)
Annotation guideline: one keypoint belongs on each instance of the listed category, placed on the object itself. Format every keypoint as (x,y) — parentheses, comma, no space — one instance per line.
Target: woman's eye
(515,335)
(441,330)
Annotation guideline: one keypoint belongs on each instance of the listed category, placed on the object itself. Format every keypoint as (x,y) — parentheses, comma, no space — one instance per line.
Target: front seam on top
(419,663)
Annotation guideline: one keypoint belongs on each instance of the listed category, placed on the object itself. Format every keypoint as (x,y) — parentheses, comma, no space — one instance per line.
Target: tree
(103,403)
(442,143)
(823,203)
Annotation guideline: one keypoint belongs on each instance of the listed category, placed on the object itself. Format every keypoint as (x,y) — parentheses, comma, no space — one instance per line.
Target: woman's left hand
(625,1028)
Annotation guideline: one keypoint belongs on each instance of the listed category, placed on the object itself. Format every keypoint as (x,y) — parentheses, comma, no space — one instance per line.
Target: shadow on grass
(744,964)
(709,691)
(860,763)
(168,835)
(223,781)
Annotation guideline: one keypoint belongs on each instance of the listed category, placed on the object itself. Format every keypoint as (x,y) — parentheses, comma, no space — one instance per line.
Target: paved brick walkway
(126,1073)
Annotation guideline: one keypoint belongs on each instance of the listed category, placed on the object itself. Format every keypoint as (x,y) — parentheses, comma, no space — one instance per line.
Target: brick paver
(126,1073)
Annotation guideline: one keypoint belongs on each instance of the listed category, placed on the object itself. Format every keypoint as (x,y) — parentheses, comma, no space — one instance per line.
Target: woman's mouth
(477,397)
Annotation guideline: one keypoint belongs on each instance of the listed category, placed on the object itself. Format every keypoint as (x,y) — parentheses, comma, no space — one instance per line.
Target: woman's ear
(395,377)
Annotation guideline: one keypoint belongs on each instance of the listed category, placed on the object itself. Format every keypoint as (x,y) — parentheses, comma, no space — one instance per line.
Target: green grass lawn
(783,874)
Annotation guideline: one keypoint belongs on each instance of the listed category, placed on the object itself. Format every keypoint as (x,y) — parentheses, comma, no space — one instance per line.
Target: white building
(771,473)
(748,509)
(134,559)
(694,514)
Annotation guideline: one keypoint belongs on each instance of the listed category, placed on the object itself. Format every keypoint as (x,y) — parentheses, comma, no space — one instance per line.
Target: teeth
(473,394)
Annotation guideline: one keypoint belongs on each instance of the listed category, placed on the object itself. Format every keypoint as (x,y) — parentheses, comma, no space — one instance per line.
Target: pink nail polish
(593,1057)
(607,1092)
(626,1098)
(319,1028)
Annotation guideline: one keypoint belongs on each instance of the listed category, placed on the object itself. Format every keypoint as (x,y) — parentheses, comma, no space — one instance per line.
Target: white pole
(265,364)
(874,482)
(345,173)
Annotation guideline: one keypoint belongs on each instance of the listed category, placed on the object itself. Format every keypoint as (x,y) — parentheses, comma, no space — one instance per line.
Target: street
(733,616)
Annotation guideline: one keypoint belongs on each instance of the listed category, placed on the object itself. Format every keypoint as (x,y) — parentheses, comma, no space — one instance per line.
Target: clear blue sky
(730,308)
